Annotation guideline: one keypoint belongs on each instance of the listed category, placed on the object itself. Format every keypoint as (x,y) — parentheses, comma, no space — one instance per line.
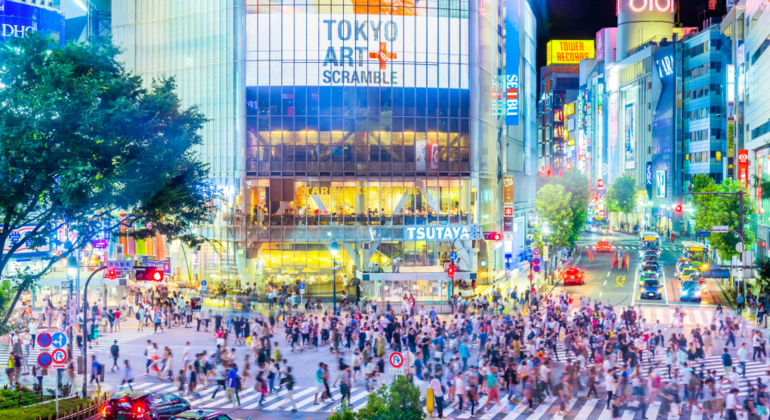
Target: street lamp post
(334,250)
(85,331)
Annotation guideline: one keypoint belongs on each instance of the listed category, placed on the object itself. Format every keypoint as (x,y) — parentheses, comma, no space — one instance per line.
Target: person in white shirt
(438,396)
(732,405)
(32,327)
(742,359)
(460,390)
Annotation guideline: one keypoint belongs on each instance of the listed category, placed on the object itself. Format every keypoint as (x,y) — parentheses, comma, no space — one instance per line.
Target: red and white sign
(508,211)
(44,340)
(59,357)
(743,168)
(536,251)
(396,359)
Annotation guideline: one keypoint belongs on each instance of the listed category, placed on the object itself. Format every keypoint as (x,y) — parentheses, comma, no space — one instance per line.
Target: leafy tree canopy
(554,207)
(712,210)
(621,197)
(575,183)
(87,148)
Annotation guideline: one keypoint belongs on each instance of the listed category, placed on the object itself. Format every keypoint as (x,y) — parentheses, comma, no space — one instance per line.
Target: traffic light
(149,274)
(493,236)
(111,274)
(678,207)
(450,271)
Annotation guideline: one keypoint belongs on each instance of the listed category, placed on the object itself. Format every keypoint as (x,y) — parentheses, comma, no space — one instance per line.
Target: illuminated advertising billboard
(743,168)
(348,44)
(569,51)
(512,62)
(630,138)
(17,19)
(569,109)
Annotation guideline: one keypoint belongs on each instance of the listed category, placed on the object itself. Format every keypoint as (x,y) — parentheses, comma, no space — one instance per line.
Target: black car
(202,414)
(144,406)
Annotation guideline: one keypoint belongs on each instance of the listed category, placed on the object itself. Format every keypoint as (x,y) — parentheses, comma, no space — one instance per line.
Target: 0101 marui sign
(18,19)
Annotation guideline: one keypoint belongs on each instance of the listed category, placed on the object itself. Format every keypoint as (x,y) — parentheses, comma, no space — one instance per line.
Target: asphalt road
(621,286)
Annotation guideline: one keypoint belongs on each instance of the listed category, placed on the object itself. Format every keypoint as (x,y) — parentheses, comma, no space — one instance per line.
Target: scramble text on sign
(396,359)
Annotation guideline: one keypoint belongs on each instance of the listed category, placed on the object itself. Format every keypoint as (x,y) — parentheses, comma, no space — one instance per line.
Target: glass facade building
(375,125)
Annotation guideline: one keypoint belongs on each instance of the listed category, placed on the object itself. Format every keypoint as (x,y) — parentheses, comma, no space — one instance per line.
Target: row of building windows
(704,69)
(336,100)
(704,90)
(359,124)
(761,130)
(704,134)
(760,50)
(715,44)
(704,156)
(704,112)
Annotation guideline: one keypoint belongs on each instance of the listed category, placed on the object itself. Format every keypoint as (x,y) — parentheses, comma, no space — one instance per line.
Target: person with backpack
(727,362)
(115,353)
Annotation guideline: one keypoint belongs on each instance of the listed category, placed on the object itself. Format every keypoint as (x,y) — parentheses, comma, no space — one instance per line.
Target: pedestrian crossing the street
(667,316)
(105,342)
(579,408)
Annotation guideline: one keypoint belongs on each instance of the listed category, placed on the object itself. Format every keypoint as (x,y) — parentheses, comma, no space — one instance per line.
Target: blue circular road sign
(453,256)
(536,261)
(44,339)
(44,359)
(59,340)
(536,269)
(203,282)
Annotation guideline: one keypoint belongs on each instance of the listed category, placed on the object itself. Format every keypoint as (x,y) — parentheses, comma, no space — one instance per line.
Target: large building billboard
(17,19)
(569,51)
(512,56)
(630,138)
(345,44)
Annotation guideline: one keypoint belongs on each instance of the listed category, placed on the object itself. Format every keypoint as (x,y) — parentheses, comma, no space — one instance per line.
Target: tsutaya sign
(442,233)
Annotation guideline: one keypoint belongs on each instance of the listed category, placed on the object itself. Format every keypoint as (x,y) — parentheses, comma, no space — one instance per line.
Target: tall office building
(361,135)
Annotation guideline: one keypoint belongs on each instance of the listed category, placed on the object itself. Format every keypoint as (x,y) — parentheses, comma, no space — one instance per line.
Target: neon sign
(651,5)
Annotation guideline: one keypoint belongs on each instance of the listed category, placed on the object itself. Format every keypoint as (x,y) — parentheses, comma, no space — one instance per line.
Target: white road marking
(608,273)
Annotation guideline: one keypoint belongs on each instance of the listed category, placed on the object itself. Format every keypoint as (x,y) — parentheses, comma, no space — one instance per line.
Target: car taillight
(105,410)
(139,410)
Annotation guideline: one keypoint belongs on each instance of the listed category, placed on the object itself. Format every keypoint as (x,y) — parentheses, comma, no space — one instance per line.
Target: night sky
(581,19)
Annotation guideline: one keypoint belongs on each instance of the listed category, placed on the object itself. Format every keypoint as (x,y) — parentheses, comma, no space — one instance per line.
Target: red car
(573,276)
(603,246)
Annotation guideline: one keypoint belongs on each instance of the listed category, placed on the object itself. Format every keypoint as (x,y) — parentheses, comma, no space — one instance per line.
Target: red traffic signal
(149,274)
(678,207)
(493,236)
(111,274)
(450,271)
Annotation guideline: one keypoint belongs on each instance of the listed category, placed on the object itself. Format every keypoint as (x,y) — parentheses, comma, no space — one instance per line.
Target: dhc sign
(19,19)
(440,233)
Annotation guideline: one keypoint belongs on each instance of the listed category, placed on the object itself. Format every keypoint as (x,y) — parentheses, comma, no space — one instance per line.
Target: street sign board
(302,286)
(44,359)
(536,261)
(59,356)
(396,359)
(508,211)
(203,283)
(739,247)
(453,256)
(120,265)
(536,269)
(536,251)
(394,371)
(59,340)
(720,229)
(44,339)
(702,234)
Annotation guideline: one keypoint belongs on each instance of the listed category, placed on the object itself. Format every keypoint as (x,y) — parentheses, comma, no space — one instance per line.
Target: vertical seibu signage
(512,55)
(743,168)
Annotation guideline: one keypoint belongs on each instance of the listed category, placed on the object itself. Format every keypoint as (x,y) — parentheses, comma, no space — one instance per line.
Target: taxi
(573,276)
(603,246)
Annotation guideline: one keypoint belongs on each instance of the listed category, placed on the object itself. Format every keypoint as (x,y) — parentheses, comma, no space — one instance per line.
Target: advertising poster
(569,51)
(759,181)
(508,189)
(730,137)
(743,168)
(16,19)
(421,158)
(660,184)
(630,140)
(512,57)
(432,152)
(648,179)
(353,43)
(613,132)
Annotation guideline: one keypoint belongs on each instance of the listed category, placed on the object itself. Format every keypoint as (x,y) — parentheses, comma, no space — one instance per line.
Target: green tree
(553,204)
(763,272)
(400,401)
(575,183)
(87,148)
(712,210)
(621,197)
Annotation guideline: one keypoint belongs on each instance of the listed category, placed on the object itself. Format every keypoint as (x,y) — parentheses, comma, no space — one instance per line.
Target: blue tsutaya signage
(18,19)
(512,56)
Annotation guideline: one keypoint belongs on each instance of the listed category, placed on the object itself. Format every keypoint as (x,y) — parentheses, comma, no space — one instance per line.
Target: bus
(649,240)
(696,251)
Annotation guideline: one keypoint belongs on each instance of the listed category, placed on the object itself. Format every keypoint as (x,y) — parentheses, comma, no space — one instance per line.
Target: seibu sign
(743,168)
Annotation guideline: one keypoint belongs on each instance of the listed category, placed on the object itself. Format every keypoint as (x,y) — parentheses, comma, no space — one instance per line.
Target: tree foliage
(763,273)
(87,148)
(400,401)
(554,206)
(621,197)
(712,210)
(575,183)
